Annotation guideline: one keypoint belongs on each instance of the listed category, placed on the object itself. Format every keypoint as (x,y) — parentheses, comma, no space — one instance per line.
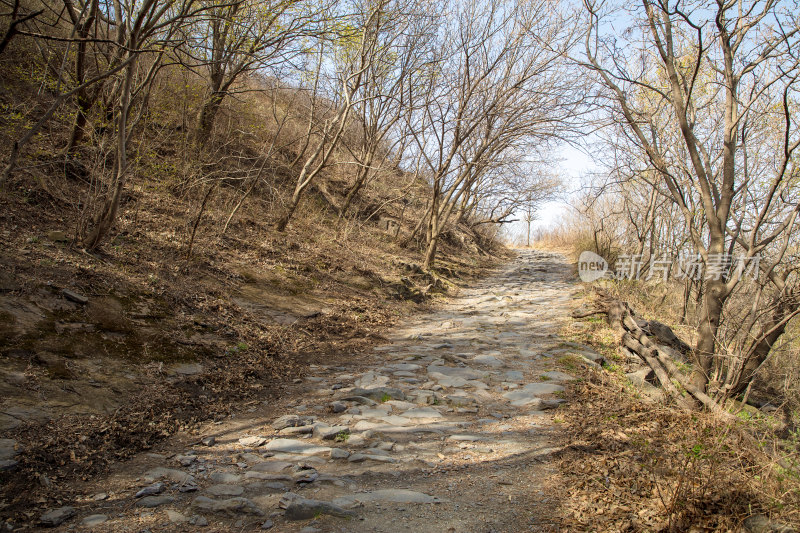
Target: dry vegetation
(632,463)
(192,271)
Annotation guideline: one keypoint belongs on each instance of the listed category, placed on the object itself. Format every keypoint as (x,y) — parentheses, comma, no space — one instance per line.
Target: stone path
(448,430)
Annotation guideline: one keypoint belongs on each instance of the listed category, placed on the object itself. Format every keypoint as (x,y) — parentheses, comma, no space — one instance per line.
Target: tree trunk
(206,117)
(282,222)
(710,314)
(430,253)
(108,215)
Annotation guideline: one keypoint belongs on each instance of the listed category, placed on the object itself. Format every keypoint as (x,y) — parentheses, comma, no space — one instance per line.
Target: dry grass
(634,465)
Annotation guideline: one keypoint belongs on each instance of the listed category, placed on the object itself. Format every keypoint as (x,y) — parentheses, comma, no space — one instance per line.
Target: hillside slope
(194,302)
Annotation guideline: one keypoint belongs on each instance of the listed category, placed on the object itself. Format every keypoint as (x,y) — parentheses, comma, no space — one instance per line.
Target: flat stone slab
(94,520)
(423,412)
(295,446)
(488,360)
(172,474)
(466,438)
(455,371)
(514,375)
(371,380)
(299,508)
(530,393)
(450,381)
(231,506)
(252,442)
(190,369)
(225,490)
(377,394)
(407,367)
(268,466)
(555,375)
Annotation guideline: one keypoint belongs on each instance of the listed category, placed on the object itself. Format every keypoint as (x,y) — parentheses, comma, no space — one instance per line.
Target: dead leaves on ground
(631,466)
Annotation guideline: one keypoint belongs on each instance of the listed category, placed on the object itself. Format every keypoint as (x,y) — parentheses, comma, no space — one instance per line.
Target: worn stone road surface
(449,428)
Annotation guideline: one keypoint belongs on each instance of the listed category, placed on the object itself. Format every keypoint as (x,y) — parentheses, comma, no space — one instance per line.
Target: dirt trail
(449,428)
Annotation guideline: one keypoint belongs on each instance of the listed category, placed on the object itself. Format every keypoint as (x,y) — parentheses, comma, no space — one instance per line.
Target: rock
(270,466)
(8,465)
(408,367)
(761,524)
(186,460)
(56,517)
(287,421)
(252,442)
(150,502)
(299,508)
(466,438)
(310,529)
(337,407)
(197,520)
(514,375)
(208,441)
(642,376)
(267,525)
(100,496)
(73,296)
(551,404)
(94,520)
(295,446)
(360,457)
(454,382)
(224,478)
(231,506)
(190,369)
(338,453)
(150,490)
(454,371)
(306,477)
(529,393)
(225,490)
(175,517)
(299,430)
(423,412)
(331,432)
(488,360)
(172,474)
(188,486)
(378,394)
(360,400)
(370,380)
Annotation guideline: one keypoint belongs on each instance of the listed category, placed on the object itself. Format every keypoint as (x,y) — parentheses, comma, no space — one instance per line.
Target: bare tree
(501,86)
(233,38)
(142,29)
(354,53)
(703,91)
